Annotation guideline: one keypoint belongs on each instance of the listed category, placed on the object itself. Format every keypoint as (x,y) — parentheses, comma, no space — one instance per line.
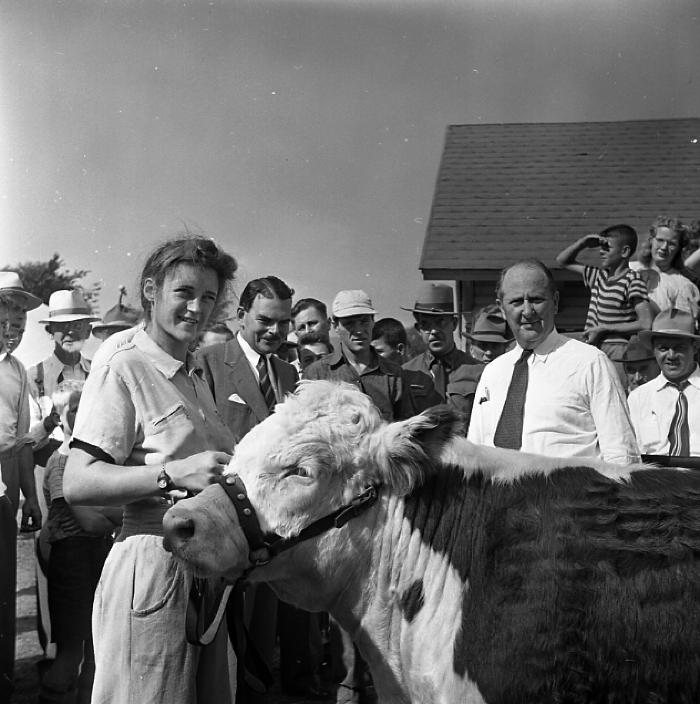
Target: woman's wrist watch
(165,481)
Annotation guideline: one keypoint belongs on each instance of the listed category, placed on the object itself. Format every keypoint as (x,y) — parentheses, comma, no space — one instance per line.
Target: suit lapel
(243,380)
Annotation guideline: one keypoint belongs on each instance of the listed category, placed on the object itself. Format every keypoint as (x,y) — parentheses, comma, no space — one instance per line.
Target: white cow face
(321,448)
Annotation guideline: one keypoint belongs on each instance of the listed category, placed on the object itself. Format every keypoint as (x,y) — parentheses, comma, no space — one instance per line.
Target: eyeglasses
(671,244)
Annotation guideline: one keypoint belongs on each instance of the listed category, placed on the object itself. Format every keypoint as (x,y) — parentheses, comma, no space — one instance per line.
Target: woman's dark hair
(197,250)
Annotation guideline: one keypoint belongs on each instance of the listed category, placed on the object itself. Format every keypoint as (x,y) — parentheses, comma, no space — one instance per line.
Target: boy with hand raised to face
(619,304)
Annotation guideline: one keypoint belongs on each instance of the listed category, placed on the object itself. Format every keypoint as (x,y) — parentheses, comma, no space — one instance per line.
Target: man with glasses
(454,373)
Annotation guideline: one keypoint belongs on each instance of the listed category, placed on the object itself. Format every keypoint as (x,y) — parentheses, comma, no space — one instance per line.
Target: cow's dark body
(580,588)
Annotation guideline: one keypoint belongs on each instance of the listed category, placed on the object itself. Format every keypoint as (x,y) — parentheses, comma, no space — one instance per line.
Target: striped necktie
(509,431)
(679,432)
(265,384)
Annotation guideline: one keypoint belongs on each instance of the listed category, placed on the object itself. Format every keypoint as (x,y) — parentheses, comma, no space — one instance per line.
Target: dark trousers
(8,586)
(301,648)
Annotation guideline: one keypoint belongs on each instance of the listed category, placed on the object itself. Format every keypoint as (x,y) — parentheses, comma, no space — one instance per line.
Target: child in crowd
(619,305)
(80,538)
(389,340)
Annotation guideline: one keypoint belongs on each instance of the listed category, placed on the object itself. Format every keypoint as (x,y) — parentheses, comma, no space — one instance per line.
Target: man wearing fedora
(117,319)
(455,374)
(666,410)
(639,363)
(16,464)
(488,338)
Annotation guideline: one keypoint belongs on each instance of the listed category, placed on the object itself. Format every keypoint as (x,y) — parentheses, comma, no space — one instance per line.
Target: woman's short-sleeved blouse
(142,406)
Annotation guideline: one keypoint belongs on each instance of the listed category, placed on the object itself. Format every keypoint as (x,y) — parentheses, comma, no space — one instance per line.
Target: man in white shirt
(569,401)
(666,410)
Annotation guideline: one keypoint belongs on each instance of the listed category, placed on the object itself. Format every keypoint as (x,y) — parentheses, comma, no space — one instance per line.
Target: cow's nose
(178,530)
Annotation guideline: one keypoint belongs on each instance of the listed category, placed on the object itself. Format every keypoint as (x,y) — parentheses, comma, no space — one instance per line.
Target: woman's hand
(196,472)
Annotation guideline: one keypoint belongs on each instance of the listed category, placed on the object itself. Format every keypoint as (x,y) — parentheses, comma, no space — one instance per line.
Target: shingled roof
(510,191)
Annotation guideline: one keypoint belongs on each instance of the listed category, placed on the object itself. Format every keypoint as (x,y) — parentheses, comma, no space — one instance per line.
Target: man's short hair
(393,332)
(528,264)
(304,303)
(268,287)
(626,234)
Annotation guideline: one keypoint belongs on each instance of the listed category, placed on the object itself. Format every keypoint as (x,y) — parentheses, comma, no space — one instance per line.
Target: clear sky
(304,136)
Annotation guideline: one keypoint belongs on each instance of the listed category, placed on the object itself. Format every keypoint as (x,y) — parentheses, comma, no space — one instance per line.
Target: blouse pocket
(173,416)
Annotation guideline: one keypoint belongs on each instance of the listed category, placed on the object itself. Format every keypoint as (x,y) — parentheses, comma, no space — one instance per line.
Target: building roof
(511,191)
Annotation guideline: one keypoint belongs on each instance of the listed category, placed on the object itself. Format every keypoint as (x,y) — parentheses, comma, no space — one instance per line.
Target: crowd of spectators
(102,447)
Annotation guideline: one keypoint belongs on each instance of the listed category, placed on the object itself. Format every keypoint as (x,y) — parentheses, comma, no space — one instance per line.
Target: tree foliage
(43,278)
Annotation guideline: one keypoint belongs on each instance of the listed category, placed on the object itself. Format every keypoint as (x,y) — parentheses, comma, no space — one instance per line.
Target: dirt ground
(29,652)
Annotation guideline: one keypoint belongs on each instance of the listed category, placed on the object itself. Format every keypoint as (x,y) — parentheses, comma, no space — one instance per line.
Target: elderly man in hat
(16,465)
(454,373)
(666,410)
(488,337)
(68,324)
(639,363)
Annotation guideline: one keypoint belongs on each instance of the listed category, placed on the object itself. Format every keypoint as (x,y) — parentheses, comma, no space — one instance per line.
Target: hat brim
(118,324)
(28,301)
(624,360)
(429,311)
(358,310)
(69,318)
(486,337)
(647,336)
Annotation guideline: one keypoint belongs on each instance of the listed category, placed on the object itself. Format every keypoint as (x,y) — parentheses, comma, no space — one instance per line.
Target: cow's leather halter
(263,547)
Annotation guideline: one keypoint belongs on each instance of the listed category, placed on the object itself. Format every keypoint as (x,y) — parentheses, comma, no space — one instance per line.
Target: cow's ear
(404,453)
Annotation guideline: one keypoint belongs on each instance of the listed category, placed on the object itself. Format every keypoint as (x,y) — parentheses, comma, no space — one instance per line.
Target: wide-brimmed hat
(12,288)
(65,306)
(119,317)
(671,322)
(489,326)
(637,351)
(352,302)
(434,299)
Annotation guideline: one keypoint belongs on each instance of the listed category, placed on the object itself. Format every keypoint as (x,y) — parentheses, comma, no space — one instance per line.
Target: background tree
(43,278)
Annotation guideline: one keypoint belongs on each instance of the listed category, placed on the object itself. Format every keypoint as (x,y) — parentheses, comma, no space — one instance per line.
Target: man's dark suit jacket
(228,372)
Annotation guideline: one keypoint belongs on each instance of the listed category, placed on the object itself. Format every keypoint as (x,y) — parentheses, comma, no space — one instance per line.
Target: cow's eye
(297,471)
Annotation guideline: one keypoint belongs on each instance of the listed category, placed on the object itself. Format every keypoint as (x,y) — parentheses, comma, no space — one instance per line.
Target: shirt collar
(251,355)
(448,358)
(3,355)
(337,357)
(167,365)
(661,382)
(546,347)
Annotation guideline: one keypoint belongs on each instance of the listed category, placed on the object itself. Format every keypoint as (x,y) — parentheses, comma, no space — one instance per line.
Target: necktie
(440,371)
(679,433)
(265,384)
(509,431)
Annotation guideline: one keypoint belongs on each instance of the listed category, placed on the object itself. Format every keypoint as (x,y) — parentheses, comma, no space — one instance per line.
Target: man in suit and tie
(247,379)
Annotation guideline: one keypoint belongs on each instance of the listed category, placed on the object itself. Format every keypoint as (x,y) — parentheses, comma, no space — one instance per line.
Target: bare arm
(90,481)
(27,483)
(693,261)
(567,257)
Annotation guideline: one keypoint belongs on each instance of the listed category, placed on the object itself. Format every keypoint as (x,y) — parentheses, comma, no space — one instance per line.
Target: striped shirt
(613,299)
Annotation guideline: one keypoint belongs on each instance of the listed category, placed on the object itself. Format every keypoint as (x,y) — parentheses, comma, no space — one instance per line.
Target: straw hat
(12,288)
(671,322)
(119,317)
(66,306)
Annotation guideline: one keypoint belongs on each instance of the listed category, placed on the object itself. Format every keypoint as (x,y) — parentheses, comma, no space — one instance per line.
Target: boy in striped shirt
(619,305)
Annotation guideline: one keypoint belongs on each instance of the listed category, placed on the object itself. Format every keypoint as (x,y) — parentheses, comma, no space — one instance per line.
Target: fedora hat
(119,317)
(354,302)
(671,322)
(637,351)
(65,306)
(11,287)
(434,299)
(489,326)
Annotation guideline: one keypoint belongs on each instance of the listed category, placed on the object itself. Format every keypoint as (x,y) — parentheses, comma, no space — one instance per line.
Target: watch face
(163,483)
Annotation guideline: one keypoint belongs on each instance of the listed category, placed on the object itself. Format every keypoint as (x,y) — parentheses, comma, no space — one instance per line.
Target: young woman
(661,263)
(147,425)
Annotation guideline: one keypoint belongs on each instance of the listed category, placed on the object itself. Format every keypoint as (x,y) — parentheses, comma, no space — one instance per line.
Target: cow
(463,573)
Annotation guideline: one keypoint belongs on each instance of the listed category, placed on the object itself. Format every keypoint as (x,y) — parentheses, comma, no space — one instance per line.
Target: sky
(304,136)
